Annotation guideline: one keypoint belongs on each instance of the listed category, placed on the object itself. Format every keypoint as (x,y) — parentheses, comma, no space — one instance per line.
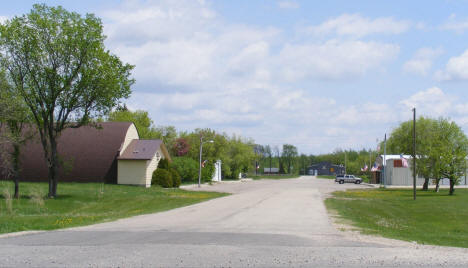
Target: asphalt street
(266,223)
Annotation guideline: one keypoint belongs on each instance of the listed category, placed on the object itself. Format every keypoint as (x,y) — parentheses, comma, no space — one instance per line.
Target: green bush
(175,178)
(207,172)
(162,177)
(186,167)
(163,164)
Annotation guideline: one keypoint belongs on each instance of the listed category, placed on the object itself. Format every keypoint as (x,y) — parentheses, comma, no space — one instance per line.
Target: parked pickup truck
(347,178)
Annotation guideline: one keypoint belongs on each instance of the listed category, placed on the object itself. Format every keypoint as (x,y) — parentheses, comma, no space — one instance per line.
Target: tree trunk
(426,184)
(437,185)
(270,164)
(16,153)
(53,163)
(452,184)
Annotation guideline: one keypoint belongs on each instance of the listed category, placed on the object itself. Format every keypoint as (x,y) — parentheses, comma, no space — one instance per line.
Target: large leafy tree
(186,167)
(259,151)
(145,126)
(14,115)
(168,134)
(289,154)
(140,118)
(58,64)
(181,147)
(241,154)
(453,152)
(235,152)
(268,153)
(303,161)
(441,149)
(427,145)
(276,152)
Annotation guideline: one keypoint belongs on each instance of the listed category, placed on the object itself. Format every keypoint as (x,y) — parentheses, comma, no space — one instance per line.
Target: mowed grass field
(434,218)
(85,203)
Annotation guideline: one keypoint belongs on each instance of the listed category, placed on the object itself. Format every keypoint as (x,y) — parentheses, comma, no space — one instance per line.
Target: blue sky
(321,75)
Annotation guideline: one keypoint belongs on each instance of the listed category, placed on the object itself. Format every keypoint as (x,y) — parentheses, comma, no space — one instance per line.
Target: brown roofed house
(91,154)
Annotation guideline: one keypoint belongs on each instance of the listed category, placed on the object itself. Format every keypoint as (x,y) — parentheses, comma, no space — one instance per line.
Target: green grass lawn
(434,218)
(86,203)
(275,177)
(331,177)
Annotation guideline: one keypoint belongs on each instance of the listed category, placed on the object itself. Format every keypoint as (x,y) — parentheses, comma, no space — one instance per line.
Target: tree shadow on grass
(62,196)
(28,197)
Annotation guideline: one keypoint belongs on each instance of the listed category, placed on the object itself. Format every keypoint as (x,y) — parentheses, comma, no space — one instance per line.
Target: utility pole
(345,162)
(465,171)
(303,165)
(256,167)
(384,160)
(200,160)
(414,153)
(270,154)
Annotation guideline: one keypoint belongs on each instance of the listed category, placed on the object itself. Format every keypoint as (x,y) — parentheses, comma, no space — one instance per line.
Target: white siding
(132,134)
(400,175)
(152,165)
(132,172)
(217,172)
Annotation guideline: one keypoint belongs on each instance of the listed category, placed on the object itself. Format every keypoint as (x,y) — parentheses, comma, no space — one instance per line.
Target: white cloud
(458,26)
(462,108)
(334,59)
(288,5)
(193,69)
(365,112)
(186,53)
(455,69)
(422,60)
(432,101)
(358,26)
(3,19)
(133,22)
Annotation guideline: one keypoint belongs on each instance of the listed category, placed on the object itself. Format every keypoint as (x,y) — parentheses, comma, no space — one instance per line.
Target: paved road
(268,223)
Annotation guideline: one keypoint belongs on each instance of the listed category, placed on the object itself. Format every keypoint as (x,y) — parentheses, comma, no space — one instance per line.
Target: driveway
(266,223)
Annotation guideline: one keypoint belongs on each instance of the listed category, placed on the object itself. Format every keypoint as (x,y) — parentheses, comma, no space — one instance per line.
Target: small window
(397,163)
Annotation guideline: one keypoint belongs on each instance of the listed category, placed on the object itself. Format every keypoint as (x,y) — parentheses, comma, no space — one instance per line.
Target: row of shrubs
(188,169)
(166,176)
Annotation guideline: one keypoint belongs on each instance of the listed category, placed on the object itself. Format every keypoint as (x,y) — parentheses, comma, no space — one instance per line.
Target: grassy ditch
(85,203)
(434,218)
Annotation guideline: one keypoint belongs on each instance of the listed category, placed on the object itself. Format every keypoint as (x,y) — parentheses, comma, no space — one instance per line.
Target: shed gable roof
(142,150)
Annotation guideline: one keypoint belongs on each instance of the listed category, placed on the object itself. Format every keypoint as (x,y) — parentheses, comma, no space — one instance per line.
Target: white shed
(138,161)
(397,174)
